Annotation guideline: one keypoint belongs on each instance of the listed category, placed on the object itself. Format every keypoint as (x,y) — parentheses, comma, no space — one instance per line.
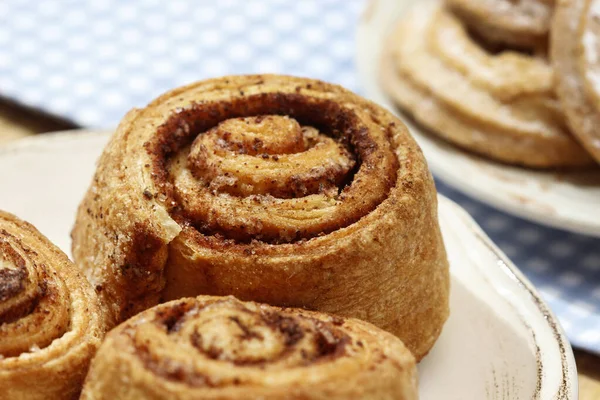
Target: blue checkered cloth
(91,61)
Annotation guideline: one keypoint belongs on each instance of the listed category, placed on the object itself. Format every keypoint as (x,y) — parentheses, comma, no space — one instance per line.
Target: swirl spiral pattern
(283,178)
(520,23)
(50,318)
(221,348)
(499,104)
(282,190)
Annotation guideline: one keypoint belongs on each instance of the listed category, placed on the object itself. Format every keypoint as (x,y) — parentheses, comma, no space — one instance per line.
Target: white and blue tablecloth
(90,61)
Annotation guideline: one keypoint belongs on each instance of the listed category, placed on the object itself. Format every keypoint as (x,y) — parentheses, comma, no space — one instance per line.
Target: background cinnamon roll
(282,190)
(50,318)
(575,49)
(221,348)
(498,104)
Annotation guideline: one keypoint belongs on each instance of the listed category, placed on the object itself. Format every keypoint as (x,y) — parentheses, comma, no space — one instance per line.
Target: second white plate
(570,201)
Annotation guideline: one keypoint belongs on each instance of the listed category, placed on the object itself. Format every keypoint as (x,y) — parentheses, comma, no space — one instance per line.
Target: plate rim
(515,208)
(568,388)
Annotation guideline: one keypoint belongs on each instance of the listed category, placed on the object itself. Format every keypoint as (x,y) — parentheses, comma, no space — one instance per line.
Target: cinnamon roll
(50,318)
(221,348)
(500,105)
(575,49)
(276,189)
(520,23)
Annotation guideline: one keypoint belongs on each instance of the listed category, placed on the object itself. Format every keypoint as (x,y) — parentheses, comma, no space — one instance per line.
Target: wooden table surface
(17,122)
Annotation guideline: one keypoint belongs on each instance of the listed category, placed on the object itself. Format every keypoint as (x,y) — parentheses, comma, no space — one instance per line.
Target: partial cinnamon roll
(575,52)
(500,105)
(221,348)
(519,23)
(282,190)
(50,318)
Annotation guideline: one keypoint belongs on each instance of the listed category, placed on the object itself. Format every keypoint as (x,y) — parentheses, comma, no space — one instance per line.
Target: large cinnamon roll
(282,190)
(50,318)
(575,51)
(498,104)
(221,348)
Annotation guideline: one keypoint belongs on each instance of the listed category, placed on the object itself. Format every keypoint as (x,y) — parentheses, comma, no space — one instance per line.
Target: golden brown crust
(50,318)
(499,105)
(520,23)
(158,224)
(574,50)
(221,348)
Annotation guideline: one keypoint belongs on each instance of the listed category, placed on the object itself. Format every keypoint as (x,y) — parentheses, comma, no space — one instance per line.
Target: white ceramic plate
(570,201)
(501,341)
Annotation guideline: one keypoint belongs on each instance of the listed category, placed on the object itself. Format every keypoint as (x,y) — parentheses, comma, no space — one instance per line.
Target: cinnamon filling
(13,272)
(227,331)
(13,282)
(31,312)
(273,167)
(269,155)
